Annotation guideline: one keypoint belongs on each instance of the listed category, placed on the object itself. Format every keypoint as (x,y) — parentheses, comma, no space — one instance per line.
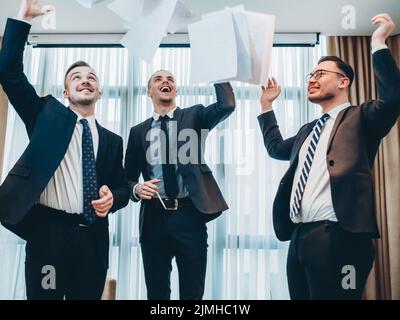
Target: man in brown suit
(324,203)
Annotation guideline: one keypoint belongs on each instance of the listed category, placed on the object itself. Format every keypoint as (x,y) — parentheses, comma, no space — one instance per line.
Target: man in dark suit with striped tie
(324,203)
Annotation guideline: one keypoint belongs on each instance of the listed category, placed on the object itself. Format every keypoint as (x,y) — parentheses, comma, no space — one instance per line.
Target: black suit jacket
(352,147)
(197,177)
(50,126)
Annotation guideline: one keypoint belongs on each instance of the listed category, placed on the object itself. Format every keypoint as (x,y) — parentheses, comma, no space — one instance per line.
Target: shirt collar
(91,119)
(335,111)
(170,114)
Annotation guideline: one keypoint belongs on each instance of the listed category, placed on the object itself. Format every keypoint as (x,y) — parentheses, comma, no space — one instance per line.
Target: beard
(321,98)
(84,101)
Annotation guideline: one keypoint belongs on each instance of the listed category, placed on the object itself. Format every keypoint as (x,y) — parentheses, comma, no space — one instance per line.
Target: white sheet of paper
(181,18)
(213,48)
(242,44)
(89,3)
(146,31)
(261,30)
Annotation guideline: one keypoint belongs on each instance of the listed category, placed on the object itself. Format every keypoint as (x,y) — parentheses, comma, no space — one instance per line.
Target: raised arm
(380,115)
(276,147)
(17,87)
(210,116)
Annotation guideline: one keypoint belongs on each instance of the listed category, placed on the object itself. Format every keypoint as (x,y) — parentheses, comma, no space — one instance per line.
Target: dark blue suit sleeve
(380,115)
(20,92)
(132,170)
(210,116)
(119,186)
(276,147)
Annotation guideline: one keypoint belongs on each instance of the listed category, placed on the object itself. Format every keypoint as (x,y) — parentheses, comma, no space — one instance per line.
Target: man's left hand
(103,205)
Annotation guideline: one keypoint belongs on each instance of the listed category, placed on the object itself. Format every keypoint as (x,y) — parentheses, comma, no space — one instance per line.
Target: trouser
(62,260)
(327,262)
(180,234)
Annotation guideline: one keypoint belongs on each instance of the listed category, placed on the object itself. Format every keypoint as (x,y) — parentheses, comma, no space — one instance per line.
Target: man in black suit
(179,194)
(325,201)
(70,177)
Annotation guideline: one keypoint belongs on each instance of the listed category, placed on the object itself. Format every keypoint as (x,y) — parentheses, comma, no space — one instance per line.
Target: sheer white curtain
(245,260)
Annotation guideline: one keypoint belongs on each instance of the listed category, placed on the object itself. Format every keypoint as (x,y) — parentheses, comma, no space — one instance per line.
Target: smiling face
(82,86)
(329,82)
(162,88)
(329,85)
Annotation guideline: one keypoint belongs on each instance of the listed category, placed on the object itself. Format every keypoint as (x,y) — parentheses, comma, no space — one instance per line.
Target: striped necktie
(301,185)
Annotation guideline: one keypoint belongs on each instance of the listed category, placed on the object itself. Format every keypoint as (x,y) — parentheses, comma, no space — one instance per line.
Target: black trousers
(62,261)
(182,235)
(327,262)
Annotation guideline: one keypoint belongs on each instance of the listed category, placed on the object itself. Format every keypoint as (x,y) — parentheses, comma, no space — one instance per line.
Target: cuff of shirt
(26,21)
(134,192)
(378,47)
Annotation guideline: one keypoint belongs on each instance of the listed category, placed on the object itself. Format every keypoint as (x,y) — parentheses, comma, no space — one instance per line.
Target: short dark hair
(151,77)
(343,66)
(73,66)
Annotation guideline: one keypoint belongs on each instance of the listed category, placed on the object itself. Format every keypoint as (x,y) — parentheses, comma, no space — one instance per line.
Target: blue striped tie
(301,185)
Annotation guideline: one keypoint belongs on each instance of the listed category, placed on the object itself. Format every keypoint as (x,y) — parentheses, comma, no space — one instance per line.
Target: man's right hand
(31,9)
(270,92)
(147,190)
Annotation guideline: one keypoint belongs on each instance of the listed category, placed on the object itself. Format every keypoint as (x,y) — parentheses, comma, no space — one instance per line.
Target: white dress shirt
(317,203)
(65,190)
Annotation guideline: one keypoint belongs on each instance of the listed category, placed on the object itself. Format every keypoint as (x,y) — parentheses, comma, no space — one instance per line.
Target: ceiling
(324,16)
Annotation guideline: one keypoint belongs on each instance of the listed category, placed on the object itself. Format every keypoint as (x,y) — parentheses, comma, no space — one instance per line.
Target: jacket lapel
(102,149)
(146,129)
(302,136)
(335,127)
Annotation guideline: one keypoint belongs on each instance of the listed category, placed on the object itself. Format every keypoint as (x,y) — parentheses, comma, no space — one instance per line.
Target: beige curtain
(3,121)
(384,280)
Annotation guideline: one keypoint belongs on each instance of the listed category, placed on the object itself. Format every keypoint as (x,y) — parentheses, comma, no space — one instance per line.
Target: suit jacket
(197,177)
(352,147)
(50,126)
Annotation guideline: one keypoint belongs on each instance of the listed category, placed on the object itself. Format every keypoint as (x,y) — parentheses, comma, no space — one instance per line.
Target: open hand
(385,28)
(270,92)
(31,9)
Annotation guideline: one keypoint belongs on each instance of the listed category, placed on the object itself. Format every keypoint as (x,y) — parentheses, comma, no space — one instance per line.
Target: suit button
(331,163)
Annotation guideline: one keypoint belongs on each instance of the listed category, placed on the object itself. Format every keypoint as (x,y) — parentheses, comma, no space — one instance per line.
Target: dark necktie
(301,185)
(88,173)
(168,168)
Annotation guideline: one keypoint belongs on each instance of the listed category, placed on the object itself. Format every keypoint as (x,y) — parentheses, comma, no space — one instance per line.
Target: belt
(46,213)
(314,224)
(172,205)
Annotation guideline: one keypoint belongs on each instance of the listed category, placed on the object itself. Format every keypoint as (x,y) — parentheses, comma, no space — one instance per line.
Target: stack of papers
(232,44)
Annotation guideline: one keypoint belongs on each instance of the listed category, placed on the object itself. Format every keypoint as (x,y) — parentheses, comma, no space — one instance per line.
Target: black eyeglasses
(319,73)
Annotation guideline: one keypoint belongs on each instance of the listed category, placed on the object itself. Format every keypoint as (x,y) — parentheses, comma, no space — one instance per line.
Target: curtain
(384,279)
(245,260)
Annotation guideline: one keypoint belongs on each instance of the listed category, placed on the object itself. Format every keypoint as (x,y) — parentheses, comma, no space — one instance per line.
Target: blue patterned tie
(88,173)
(301,185)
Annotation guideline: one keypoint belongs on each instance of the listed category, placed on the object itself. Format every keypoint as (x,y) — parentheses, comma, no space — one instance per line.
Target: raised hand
(31,9)
(385,27)
(270,92)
